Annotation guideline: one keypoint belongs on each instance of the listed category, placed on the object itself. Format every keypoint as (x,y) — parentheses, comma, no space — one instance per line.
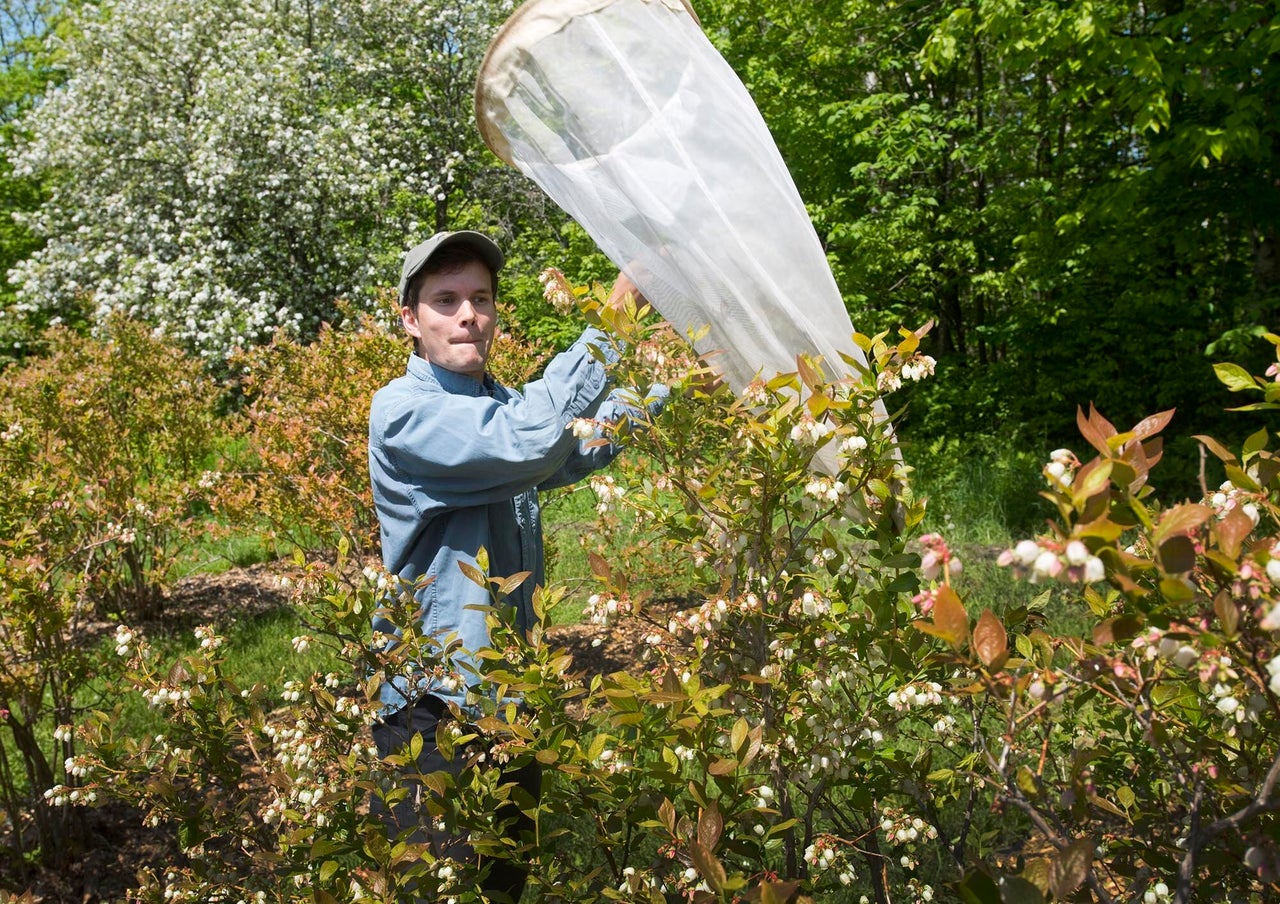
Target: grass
(257,651)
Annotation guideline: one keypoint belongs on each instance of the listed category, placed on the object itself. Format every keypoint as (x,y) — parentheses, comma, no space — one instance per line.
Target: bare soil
(118,846)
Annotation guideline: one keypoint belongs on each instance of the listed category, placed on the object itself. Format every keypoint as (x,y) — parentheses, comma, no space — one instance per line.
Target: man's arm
(476,450)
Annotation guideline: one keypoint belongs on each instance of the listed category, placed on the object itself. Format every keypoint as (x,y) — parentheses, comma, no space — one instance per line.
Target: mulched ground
(118,846)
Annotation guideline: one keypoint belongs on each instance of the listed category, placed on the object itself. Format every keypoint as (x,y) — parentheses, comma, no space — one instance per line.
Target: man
(456,461)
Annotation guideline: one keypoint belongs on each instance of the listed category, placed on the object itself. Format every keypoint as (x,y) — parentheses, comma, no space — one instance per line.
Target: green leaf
(1014,890)
(1234,377)
(1255,443)
(978,888)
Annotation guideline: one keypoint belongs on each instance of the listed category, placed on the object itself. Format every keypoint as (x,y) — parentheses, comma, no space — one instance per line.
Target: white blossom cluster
(925,693)
(711,614)
(608,492)
(1041,561)
(602,610)
(557,291)
(225,170)
(61,795)
(1229,497)
(307,790)
(1061,469)
(826,853)
(808,432)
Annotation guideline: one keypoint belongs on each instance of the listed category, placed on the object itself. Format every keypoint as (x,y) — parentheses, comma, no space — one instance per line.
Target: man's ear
(409,317)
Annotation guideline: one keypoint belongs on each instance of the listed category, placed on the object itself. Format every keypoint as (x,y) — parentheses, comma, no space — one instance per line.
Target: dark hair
(449,259)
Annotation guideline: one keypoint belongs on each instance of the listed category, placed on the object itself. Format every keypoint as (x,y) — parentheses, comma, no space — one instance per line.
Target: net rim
(531,21)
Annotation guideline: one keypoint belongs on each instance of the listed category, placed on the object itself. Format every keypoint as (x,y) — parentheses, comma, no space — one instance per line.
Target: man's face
(454,319)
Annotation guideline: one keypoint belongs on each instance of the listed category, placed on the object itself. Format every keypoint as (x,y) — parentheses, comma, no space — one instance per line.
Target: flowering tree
(225,169)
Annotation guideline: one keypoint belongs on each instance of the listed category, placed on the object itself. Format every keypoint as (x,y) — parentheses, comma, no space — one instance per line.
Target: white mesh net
(628,118)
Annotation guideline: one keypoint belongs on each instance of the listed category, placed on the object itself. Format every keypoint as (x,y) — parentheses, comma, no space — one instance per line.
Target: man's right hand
(623,288)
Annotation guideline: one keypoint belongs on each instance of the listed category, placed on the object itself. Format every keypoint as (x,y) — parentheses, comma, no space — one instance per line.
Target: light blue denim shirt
(456,466)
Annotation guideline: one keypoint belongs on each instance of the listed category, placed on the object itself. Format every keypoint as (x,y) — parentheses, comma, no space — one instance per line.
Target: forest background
(1055,185)
(1082,197)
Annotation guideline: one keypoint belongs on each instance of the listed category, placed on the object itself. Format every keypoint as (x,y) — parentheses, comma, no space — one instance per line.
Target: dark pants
(506,878)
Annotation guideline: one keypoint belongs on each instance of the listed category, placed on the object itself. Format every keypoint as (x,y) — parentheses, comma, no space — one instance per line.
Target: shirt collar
(450,382)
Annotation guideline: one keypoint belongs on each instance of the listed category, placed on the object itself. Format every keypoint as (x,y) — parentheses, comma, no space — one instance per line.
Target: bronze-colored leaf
(600,566)
(667,813)
(1069,867)
(774,893)
(473,574)
(506,585)
(1180,520)
(990,641)
(1150,426)
(710,825)
(723,767)
(1177,555)
(1116,630)
(707,865)
(1232,530)
(950,621)
(1095,429)
(1228,612)
(1219,450)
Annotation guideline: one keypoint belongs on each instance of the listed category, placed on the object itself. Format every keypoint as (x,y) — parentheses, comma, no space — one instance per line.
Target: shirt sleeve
(477,450)
(591,454)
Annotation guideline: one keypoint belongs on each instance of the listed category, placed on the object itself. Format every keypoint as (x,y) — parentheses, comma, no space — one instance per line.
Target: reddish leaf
(1232,530)
(599,566)
(990,641)
(1095,428)
(1150,426)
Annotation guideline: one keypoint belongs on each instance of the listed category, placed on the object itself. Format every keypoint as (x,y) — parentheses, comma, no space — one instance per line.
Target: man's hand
(624,288)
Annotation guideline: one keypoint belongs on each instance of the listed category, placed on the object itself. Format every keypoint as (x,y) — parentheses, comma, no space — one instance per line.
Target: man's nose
(466,311)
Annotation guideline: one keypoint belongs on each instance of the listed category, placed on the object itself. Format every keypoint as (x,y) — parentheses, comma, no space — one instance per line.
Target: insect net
(626,116)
